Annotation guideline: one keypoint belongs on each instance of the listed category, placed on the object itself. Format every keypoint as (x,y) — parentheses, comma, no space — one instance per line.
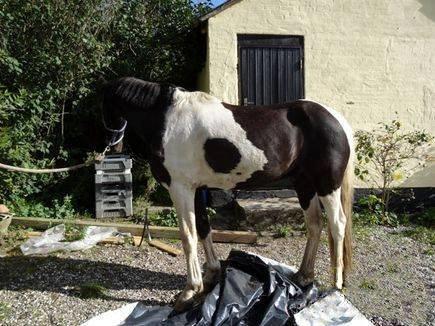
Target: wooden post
(135,229)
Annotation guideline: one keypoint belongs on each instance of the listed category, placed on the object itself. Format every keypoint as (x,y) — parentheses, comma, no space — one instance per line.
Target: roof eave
(218,10)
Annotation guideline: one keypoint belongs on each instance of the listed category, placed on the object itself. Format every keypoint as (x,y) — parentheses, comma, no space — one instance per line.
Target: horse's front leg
(183,198)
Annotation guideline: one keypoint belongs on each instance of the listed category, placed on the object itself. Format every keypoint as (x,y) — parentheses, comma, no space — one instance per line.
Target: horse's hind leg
(337,226)
(313,221)
(212,272)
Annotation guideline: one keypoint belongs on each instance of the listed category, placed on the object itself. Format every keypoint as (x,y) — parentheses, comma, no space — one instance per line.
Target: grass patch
(5,310)
(73,233)
(324,239)
(15,235)
(174,241)
(282,231)
(9,242)
(75,267)
(429,252)
(421,234)
(29,270)
(92,291)
(368,284)
(392,267)
(362,231)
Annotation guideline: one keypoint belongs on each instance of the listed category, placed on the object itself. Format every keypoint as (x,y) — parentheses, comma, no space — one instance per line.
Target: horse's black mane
(138,93)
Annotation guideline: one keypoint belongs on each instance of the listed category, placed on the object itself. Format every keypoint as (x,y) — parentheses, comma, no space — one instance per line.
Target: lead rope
(118,135)
(97,159)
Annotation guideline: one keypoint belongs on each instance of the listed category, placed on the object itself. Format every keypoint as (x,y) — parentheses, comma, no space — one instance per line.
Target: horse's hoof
(339,286)
(184,303)
(302,280)
(189,299)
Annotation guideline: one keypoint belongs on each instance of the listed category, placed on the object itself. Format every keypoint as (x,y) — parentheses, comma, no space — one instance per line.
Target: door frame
(269,41)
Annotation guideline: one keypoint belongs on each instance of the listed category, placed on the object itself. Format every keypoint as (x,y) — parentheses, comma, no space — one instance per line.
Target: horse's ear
(105,93)
(101,84)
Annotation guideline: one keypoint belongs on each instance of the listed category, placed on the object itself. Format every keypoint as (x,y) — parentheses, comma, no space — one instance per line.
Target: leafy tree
(54,56)
(48,63)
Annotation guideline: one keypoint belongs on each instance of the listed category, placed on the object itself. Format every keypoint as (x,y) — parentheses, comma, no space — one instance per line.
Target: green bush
(426,218)
(54,56)
(371,211)
(59,209)
(167,217)
(384,155)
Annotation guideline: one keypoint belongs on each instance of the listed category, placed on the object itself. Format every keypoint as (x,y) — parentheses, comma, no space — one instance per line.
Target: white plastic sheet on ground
(332,310)
(113,317)
(51,240)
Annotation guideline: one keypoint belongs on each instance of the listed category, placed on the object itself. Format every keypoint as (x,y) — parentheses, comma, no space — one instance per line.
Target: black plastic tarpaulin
(252,291)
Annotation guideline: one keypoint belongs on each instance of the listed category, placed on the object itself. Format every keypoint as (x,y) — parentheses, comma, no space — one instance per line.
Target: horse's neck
(146,119)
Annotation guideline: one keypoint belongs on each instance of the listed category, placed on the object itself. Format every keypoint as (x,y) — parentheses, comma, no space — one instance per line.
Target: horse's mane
(135,92)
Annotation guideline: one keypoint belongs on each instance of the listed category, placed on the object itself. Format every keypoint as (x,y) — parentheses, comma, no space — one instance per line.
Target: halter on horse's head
(114,122)
(114,137)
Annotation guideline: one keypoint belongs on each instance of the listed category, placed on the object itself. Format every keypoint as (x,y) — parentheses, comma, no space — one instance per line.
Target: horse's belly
(203,165)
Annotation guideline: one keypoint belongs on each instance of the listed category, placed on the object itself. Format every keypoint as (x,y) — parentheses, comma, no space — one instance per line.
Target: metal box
(114,163)
(113,187)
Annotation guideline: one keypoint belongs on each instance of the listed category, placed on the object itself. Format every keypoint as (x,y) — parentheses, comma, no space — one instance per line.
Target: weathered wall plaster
(366,58)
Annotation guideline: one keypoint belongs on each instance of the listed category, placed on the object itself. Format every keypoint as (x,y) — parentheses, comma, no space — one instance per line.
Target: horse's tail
(346,203)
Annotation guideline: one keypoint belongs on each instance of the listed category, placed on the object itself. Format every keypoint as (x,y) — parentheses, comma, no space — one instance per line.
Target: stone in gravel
(264,213)
(4,209)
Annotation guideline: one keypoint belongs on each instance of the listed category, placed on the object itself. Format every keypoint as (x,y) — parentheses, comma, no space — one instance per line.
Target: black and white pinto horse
(193,140)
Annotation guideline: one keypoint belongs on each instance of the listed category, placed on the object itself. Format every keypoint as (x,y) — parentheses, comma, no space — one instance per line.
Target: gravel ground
(392,282)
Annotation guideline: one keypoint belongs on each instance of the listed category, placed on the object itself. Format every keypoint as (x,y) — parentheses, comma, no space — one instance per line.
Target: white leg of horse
(313,221)
(183,198)
(212,272)
(337,226)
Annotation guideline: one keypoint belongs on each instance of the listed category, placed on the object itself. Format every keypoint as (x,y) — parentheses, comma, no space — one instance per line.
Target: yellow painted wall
(366,58)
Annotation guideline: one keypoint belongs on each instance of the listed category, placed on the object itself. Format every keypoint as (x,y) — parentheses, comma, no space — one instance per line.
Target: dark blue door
(270,69)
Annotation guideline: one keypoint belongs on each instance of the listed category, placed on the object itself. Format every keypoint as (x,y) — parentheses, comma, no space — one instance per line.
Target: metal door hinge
(246,103)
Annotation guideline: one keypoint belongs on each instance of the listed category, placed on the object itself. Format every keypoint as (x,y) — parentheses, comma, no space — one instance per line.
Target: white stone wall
(366,58)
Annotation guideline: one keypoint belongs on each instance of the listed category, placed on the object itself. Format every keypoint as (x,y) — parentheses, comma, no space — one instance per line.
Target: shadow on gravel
(54,274)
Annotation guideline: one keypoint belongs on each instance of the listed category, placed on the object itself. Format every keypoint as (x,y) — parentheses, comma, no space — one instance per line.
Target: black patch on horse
(144,105)
(221,154)
(268,129)
(326,150)
(301,140)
